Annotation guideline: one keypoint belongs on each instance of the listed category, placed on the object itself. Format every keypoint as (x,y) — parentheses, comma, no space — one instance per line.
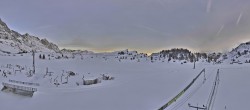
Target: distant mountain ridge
(13,42)
(239,54)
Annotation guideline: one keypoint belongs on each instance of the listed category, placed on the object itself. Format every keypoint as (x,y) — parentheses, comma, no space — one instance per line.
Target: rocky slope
(13,42)
(240,54)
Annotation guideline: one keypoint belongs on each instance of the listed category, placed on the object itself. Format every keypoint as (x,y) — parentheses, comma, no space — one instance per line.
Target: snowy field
(233,91)
(136,85)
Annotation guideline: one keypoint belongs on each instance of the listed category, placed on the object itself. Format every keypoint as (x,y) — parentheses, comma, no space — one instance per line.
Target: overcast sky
(143,25)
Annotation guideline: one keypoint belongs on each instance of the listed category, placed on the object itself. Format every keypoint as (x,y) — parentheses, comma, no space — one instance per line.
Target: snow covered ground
(233,90)
(137,85)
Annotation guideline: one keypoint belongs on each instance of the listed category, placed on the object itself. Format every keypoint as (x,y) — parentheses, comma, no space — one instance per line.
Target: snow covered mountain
(69,51)
(13,42)
(122,55)
(239,54)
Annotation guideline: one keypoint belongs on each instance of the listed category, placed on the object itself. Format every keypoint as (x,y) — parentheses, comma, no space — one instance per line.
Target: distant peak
(1,20)
(24,43)
(3,24)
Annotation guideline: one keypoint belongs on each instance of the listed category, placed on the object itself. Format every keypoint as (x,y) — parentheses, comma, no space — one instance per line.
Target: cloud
(44,27)
(209,5)
(239,18)
(76,43)
(147,28)
(144,25)
(221,28)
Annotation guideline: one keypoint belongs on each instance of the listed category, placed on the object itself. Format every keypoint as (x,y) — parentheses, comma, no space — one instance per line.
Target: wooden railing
(25,83)
(30,89)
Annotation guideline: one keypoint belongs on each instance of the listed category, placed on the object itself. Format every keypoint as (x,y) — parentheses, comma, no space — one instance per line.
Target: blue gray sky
(143,25)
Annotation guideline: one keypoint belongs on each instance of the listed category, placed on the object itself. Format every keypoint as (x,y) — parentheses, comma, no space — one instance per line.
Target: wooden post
(61,77)
(204,76)
(33,54)
(83,80)
(194,63)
